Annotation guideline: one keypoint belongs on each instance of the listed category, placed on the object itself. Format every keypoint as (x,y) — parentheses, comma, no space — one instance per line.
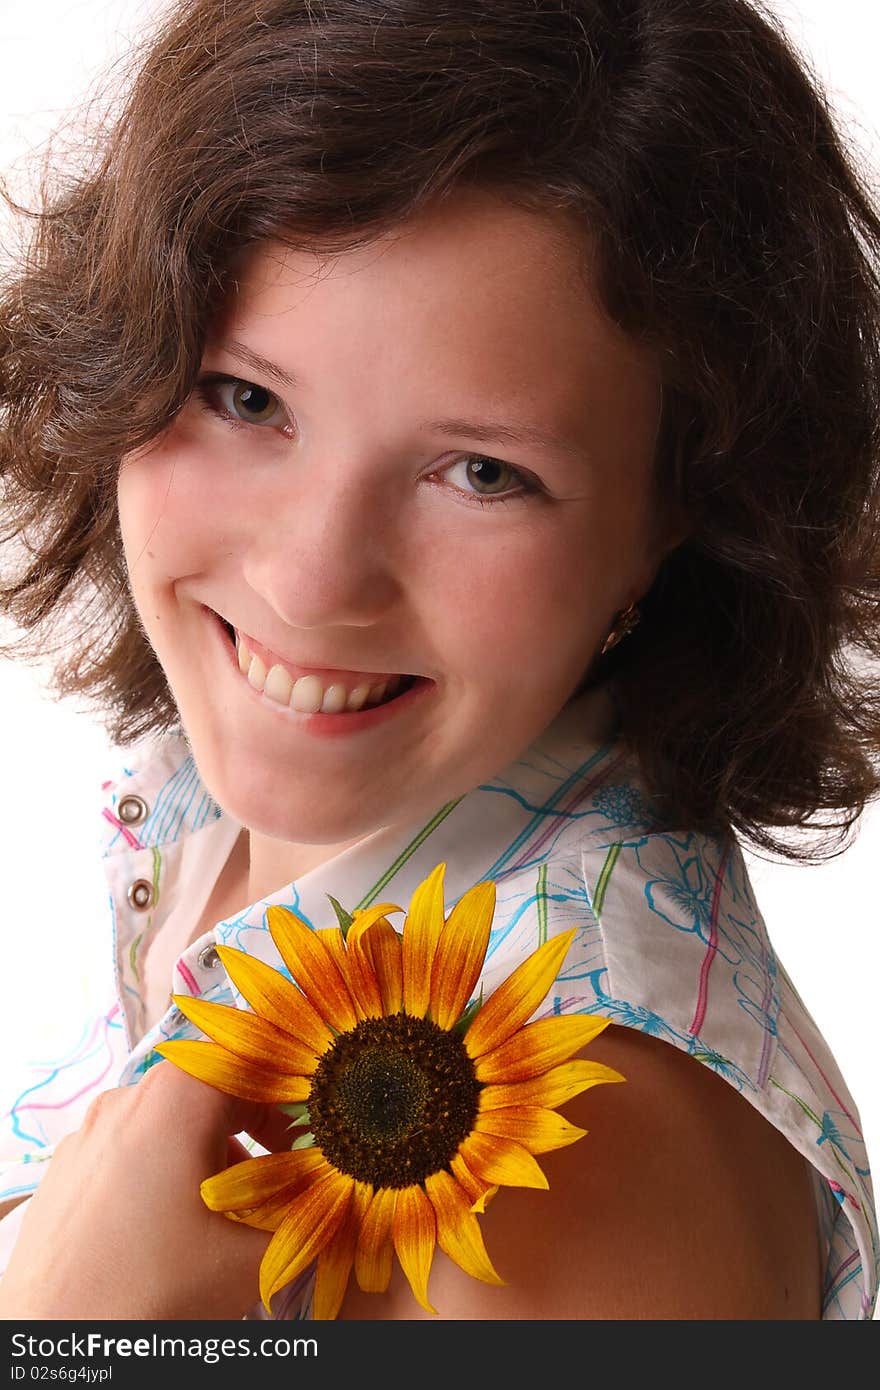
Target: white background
(54,938)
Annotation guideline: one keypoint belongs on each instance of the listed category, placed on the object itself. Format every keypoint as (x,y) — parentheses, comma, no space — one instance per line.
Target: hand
(117,1228)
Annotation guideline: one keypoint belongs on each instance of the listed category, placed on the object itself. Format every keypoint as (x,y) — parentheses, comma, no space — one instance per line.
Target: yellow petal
(268,1216)
(372,1261)
(385,950)
(517,997)
(313,1220)
(460,953)
(458,1231)
(497,1160)
(362,983)
(421,932)
(212,1063)
(310,962)
(414,1232)
(245,1185)
(538,1046)
(477,1191)
(367,917)
(248,1036)
(537,1129)
(555,1087)
(275,998)
(369,926)
(332,938)
(336,1258)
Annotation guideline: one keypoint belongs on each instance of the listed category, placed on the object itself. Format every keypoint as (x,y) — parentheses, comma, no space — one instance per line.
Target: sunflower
(415,1102)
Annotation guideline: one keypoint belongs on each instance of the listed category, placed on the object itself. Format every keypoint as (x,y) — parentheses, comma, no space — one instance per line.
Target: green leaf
(298,1109)
(305,1141)
(470,1013)
(344,918)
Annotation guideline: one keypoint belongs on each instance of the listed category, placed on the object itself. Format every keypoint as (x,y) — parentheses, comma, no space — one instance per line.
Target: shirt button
(208,957)
(140,894)
(132,810)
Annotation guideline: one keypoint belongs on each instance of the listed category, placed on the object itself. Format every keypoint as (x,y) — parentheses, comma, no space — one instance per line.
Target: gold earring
(626,621)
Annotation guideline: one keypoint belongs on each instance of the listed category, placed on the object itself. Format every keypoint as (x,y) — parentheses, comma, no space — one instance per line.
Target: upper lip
(311,666)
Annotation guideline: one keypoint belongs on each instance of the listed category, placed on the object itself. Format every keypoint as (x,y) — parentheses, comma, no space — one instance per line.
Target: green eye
(240,402)
(253,403)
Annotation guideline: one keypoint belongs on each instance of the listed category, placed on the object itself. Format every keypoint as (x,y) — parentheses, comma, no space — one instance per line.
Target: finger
(275,1130)
(209,1107)
(205,1107)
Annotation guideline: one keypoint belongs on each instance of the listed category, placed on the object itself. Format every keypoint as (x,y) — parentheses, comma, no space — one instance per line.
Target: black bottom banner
(290,1354)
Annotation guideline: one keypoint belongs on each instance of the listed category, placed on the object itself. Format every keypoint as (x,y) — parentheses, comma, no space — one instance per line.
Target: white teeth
(334,699)
(257,673)
(277,685)
(357,698)
(308,692)
(307,695)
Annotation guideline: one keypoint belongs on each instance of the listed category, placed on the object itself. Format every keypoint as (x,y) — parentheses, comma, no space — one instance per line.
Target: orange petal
(369,926)
(458,1231)
(554,1088)
(537,1129)
(310,961)
(502,1161)
(245,1185)
(268,1216)
(248,1036)
(273,996)
(517,997)
(460,953)
(363,989)
(212,1063)
(414,1232)
(336,1258)
(367,917)
(477,1191)
(332,938)
(362,983)
(538,1046)
(384,948)
(372,1261)
(421,932)
(311,1223)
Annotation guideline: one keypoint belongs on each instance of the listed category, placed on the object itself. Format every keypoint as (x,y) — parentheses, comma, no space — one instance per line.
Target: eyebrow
(259,364)
(486,431)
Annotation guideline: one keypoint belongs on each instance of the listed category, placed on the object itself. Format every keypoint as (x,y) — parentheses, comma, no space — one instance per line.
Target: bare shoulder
(682,1202)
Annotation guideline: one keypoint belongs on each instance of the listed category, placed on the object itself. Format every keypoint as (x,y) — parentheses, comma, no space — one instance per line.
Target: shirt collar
(545,803)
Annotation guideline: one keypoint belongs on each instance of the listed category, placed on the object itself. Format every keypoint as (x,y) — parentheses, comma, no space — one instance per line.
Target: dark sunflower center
(393,1099)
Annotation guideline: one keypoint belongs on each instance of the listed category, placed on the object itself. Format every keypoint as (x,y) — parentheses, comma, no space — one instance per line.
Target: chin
(276,815)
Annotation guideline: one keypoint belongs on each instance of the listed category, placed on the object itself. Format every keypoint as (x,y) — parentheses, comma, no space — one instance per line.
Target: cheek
(544,587)
(168,519)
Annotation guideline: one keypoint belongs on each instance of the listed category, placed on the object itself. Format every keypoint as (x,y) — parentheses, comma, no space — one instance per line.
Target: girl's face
(325,494)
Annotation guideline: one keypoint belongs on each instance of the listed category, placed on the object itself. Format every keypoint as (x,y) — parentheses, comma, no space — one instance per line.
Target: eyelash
(205,390)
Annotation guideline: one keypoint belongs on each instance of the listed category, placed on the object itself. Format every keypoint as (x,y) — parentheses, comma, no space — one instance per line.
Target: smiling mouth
(365,699)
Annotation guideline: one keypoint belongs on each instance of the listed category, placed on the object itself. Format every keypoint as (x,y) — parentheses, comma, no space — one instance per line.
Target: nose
(321,550)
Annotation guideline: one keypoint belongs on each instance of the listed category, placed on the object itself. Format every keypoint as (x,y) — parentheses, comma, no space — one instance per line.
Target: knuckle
(98,1109)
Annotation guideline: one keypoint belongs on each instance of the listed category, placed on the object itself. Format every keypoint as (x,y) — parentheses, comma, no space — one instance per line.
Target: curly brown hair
(735,231)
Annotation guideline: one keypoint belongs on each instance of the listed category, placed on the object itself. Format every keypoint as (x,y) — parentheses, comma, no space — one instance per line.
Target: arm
(682,1202)
(117,1227)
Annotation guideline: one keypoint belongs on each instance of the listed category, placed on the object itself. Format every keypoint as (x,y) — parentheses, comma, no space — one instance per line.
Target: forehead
(482,295)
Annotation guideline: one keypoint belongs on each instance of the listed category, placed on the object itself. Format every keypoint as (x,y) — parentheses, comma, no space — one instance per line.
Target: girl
(465,428)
